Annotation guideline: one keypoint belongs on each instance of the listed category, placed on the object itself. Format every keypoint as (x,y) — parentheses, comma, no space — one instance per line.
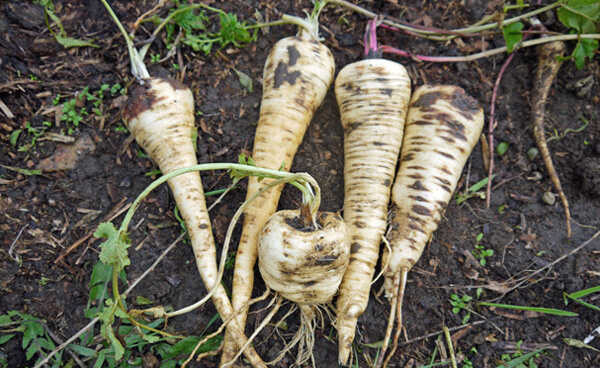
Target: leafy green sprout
(154,58)
(32,132)
(480,253)
(461,303)
(473,191)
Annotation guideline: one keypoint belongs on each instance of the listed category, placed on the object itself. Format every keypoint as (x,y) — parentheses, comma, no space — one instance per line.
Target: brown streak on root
(548,67)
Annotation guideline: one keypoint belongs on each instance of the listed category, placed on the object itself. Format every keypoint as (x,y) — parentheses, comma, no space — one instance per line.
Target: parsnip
(373,96)
(160,115)
(298,72)
(304,263)
(442,128)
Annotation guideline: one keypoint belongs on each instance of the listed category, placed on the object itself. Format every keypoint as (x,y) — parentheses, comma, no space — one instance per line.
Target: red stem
(488,194)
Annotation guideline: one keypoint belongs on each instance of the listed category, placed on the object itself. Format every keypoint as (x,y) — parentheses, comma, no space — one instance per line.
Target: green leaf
(14,136)
(374,345)
(114,249)
(61,36)
(4,339)
(584,292)
(502,148)
(232,31)
(579,344)
(140,300)
(580,15)
(67,42)
(584,49)
(512,35)
(31,350)
(101,275)
(82,350)
(107,316)
(245,80)
(187,345)
(101,358)
(5,320)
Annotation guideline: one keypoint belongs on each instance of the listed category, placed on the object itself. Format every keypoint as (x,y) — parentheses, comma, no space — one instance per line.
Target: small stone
(549,198)
(535,176)
(532,153)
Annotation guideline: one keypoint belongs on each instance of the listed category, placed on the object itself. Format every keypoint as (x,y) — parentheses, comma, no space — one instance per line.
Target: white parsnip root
(298,72)
(373,96)
(442,128)
(304,261)
(160,115)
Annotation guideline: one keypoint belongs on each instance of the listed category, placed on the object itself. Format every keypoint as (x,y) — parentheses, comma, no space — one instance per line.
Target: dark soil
(43,216)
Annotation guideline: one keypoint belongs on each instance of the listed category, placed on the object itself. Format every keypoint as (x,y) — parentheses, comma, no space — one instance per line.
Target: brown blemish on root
(354,248)
(175,84)
(421,210)
(141,98)
(282,75)
(465,105)
(426,100)
(293,55)
(457,129)
(297,224)
(418,186)
(386,91)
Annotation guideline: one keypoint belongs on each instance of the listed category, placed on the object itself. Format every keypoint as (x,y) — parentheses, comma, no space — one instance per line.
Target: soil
(50,216)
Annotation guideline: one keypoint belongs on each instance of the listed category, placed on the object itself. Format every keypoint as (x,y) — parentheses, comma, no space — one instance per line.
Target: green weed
(461,303)
(480,252)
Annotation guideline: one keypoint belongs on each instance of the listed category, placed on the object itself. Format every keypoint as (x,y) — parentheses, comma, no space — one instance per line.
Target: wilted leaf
(579,344)
(114,249)
(245,80)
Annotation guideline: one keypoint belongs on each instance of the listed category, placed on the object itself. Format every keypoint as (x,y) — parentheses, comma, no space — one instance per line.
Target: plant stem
(492,123)
(138,69)
(488,53)
(450,347)
(436,34)
(305,183)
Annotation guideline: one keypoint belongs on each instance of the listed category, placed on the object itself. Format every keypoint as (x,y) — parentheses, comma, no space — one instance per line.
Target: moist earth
(47,250)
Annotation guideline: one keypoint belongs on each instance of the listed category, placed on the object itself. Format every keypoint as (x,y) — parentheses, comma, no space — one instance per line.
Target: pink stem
(432,59)
(370,39)
(488,194)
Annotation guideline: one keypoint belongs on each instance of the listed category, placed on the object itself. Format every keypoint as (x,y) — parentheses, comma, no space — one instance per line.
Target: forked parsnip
(373,96)
(304,261)
(442,127)
(160,115)
(298,72)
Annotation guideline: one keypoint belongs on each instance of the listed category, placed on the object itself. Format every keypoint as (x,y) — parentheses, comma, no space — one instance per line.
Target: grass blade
(558,312)
(520,360)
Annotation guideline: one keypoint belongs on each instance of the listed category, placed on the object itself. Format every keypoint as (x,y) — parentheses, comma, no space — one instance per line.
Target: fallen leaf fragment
(65,157)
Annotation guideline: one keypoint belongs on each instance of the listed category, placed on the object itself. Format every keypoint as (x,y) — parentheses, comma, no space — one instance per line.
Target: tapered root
(548,66)
(399,286)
